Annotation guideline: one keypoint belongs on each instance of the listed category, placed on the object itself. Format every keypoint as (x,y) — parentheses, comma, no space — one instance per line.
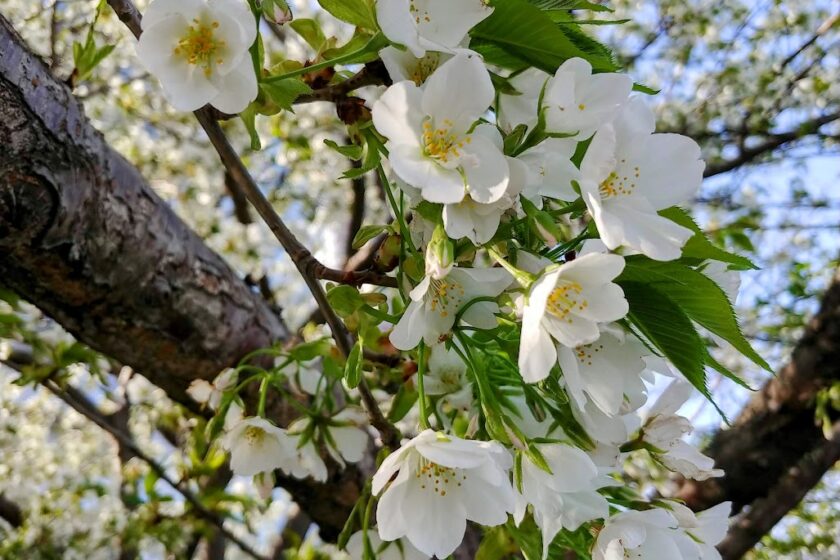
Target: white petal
(460,91)
(445,186)
(408,332)
(351,442)
(396,114)
(448,21)
(398,25)
(236,89)
(487,171)
(162,9)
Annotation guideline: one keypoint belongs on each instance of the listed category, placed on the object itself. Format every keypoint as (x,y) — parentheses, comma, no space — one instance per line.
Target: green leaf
(641,88)
(699,246)
(525,33)
(310,31)
(724,371)
(249,119)
(698,296)
(351,151)
(284,92)
(402,403)
(310,350)
(353,367)
(569,5)
(668,328)
(346,300)
(356,12)
(366,233)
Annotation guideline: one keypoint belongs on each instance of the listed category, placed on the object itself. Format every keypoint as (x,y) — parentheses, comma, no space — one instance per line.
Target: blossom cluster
(523,197)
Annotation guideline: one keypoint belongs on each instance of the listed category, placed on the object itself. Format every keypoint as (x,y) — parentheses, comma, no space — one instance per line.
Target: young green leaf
(353,367)
(356,12)
(699,246)
(527,33)
(668,328)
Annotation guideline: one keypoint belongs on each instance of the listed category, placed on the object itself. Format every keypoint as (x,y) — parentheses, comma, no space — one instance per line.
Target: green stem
(264,384)
(421,371)
(349,57)
(369,553)
(525,279)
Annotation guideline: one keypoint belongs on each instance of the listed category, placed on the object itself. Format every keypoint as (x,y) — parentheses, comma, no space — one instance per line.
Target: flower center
(586,353)
(420,16)
(200,47)
(617,185)
(424,67)
(437,478)
(254,435)
(440,143)
(445,296)
(566,298)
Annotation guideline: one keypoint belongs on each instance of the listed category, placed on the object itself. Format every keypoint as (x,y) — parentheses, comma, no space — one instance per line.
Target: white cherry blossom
(447,378)
(664,429)
(204,392)
(550,170)
(576,100)
(479,222)
(629,174)
(199,51)
(434,483)
(565,498)
(256,445)
(394,550)
(435,303)
(608,371)
(403,65)
(522,108)
(437,25)
(431,145)
(653,534)
(565,304)
(707,528)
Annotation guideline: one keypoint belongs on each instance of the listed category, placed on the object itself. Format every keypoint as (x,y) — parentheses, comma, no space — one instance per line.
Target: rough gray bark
(85,238)
(775,447)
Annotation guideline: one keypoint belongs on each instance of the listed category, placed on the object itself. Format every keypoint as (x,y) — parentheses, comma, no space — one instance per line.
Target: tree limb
(777,428)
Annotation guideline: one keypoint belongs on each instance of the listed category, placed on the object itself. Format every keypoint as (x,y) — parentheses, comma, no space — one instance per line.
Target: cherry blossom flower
(563,499)
(565,304)
(629,174)
(608,371)
(437,25)
(576,100)
(550,170)
(434,483)
(256,445)
(430,143)
(203,392)
(199,51)
(435,302)
(394,550)
(652,534)
(707,528)
(479,222)
(664,429)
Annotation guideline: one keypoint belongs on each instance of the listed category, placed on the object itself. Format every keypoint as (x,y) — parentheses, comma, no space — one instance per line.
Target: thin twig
(79,403)
(306,264)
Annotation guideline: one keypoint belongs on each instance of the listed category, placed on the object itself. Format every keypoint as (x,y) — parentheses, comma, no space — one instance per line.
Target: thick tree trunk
(84,238)
(775,447)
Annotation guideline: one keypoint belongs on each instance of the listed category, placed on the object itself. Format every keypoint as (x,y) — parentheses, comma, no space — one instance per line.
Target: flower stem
(421,371)
(524,278)
(376,42)
(263,395)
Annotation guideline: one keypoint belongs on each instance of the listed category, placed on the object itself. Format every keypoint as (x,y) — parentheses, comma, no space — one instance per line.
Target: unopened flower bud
(440,254)
(277,11)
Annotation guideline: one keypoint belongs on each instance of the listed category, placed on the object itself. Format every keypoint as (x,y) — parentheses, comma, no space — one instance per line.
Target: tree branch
(777,428)
(773,142)
(763,514)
